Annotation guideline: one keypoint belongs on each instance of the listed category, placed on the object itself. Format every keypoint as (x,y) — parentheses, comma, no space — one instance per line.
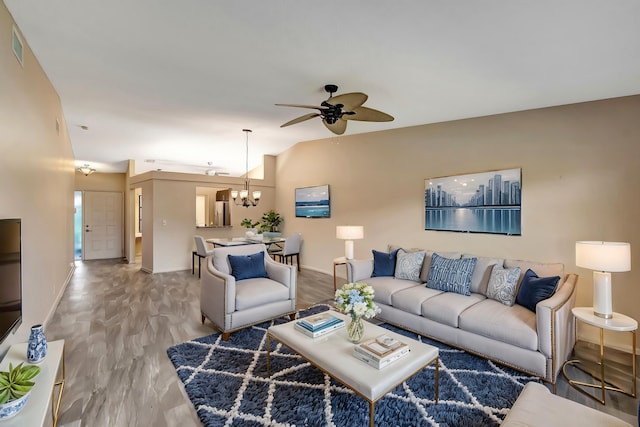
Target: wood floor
(117,323)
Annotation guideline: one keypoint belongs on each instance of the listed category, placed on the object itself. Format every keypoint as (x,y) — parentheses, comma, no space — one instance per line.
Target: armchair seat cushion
(259,291)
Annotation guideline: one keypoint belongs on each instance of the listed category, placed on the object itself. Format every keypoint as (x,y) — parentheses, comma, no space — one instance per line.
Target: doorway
(102,229)
(77,225)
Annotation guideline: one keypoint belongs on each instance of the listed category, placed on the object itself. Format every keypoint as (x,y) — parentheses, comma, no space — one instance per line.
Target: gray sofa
(537,342)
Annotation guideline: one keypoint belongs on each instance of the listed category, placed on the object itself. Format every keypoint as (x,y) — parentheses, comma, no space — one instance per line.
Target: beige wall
(100,182)
(169,214)
(580,176)
(37,176)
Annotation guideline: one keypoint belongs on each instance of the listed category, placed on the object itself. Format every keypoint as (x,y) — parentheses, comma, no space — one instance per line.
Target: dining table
(239,241)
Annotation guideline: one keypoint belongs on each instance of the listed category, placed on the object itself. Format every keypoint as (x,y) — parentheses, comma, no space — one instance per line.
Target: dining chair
(291,249)
(200,252)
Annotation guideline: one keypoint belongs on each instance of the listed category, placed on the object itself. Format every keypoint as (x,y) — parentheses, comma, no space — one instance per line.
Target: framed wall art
(486,202)
(313,202)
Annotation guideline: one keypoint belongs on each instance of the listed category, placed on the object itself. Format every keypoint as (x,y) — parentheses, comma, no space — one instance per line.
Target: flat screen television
(313,202)
(10,276)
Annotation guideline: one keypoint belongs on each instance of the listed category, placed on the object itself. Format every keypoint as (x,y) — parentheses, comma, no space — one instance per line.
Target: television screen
(313,202)
(10,276)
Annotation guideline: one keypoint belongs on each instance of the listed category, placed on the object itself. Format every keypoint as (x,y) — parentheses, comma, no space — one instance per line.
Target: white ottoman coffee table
(333,354)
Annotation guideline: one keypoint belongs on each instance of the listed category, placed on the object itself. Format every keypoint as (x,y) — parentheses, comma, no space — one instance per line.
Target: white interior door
(102,229)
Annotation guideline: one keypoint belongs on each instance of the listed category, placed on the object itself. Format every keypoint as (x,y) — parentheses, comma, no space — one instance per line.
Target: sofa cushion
(535,289)
(426,265)
(513,325)
(451,275)
(384,264)
(482,272)
(503,284)
(410,299)
(247,266)
(385,287)
(256,292)
(541,268)
(447,307)
(408,265)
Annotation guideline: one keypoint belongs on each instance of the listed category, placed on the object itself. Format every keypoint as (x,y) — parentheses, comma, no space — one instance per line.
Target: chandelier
(86,169)
(241,198)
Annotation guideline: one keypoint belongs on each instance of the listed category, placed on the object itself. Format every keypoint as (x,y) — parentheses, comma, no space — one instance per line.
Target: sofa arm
(556,336)
(359,269)
(284,274)
(217,293)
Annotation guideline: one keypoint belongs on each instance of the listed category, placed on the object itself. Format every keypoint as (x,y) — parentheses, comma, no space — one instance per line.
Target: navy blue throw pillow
(247,266)
(535,289)
(384,264)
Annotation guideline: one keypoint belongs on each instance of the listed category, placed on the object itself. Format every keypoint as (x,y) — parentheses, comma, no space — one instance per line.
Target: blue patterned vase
(37,347)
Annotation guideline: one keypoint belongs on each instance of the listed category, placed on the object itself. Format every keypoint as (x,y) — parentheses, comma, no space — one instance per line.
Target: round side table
(337,261)
(619,323)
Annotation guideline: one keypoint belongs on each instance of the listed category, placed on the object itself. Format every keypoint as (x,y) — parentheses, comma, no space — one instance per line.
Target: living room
(580,172)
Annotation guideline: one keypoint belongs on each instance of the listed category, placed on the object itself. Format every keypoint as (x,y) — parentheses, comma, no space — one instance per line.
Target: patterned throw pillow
(451,275)
(502,284)
(408,265)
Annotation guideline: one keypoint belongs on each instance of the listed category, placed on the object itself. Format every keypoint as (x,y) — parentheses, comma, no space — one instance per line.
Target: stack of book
(319,324)
(380,352)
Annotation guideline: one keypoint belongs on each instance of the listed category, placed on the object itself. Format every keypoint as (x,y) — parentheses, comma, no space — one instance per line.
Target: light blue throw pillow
(408,265)
(502,284)
(451,275)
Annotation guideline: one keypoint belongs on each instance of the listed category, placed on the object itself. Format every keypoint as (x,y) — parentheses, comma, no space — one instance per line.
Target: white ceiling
(177,81)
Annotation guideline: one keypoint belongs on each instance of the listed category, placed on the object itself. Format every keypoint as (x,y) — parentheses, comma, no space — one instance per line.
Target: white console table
(47,390)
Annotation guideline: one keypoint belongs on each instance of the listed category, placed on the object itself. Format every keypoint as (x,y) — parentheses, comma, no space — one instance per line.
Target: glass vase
(355,329)
(37,345)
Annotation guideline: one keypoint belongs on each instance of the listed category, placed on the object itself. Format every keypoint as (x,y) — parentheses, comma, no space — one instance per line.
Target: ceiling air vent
(16,44)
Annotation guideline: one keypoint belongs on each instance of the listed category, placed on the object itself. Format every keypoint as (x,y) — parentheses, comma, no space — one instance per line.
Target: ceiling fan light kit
(241,198)
(336,110)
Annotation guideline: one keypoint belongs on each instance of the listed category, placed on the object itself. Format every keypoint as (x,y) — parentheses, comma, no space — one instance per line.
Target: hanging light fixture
(241,198)
(86,169)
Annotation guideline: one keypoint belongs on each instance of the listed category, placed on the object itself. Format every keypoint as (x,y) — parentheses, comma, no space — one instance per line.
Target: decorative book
(318,320)
(322,326)
(380,352)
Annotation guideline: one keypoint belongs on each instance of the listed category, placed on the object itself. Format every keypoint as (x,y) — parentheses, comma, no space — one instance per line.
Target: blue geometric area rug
(228,385)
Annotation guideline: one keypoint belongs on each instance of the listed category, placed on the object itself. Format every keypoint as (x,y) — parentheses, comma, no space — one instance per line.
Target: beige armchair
(235,304)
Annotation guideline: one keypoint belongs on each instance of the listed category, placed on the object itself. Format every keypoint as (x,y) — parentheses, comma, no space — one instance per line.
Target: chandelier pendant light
(86,169)
(241,198)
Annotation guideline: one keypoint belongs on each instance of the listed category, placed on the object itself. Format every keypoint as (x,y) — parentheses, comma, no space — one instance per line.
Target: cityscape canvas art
(313,202)
(487,202)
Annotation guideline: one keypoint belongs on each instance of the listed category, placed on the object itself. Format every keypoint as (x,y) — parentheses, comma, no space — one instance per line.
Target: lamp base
(348,249)
(602,304)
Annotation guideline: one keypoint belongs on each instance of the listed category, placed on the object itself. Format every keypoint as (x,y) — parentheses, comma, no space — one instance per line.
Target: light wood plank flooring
(118,322)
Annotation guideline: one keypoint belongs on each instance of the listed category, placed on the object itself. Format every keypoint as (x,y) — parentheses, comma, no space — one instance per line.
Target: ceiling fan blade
(315,107)
(338,127)
(301,119)
(366,114)
(348,100)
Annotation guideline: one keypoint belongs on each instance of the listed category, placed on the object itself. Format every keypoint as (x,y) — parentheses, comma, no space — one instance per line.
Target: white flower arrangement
(356,300)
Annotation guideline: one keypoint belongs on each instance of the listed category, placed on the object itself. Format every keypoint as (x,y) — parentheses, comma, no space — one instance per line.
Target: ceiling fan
(336,110)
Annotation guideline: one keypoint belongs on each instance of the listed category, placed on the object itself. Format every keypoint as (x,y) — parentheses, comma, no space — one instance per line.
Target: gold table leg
(55,403)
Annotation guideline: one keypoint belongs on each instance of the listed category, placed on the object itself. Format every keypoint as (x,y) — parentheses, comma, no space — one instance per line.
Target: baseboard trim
(52,310)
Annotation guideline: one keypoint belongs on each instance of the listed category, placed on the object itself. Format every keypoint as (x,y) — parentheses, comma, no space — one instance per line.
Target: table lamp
(349,233)
(603,258)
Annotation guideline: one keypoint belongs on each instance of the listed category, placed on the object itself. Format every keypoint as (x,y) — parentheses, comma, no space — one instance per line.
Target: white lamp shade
(604,256)
(349,232)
